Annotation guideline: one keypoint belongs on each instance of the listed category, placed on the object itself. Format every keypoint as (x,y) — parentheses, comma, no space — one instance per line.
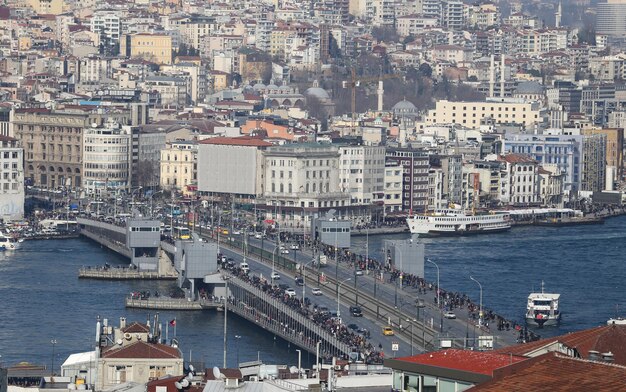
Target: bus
(172,210)
(182,233)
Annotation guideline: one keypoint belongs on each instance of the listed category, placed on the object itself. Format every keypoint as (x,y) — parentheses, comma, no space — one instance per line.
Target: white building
(231,165)
(362,173)
(301,180)
(106,158)
(523,177)
(11,179)
(393,188)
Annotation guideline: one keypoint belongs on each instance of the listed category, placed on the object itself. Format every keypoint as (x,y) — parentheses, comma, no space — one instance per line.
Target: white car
(294,246)
(316,291)
(236,232)
(284,251)
(275,275)
(290,292)
(359,272)
(258,236)
(449,315)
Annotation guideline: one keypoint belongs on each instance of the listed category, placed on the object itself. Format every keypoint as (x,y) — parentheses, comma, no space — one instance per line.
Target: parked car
(258,235)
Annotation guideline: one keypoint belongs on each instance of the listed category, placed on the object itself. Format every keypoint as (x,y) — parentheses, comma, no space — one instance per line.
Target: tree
(426,70)
(385,34)
(145,174)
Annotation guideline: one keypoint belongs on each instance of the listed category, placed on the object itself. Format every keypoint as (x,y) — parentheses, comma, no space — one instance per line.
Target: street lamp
(480,311)
(151,203)
(226,279)
(274,261)
(304,277)
(299,361)
(237,337)
(438,296)
(54,342)
(338,291)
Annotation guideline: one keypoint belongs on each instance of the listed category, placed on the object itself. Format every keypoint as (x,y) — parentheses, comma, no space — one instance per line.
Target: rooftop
(246,141)
(479,362)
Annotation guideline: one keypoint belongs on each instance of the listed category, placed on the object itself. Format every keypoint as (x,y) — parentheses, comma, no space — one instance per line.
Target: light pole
(299,361)
(226,279)
(438,296)
(274,261)
(237,337)
(151,203)
(338,290)
(480,310)
(304,277)
(54,342)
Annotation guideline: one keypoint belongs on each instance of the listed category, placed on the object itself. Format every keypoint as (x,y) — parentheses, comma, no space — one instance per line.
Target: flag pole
(174,326)
(167,333)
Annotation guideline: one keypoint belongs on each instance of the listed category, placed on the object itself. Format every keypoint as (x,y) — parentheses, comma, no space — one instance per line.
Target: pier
(171,304)
(123,274)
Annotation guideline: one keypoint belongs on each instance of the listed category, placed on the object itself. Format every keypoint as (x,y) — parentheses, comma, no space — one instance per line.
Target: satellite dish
(216,373)
(178,385)
(191,368)
(189,376)
(184,382)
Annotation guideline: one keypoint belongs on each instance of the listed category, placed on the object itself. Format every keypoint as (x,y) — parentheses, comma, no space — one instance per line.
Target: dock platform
(122,274)
(171,304)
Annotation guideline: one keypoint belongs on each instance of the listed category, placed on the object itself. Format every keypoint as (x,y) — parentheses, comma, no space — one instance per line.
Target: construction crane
(355,82)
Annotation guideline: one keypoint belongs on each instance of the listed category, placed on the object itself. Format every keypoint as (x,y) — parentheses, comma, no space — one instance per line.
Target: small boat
(617,321)
(8,243)
(458,222)
(543,309)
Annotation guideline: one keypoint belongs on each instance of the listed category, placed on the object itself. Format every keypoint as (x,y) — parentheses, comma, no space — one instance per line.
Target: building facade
(415,166)
(178,166)
(11,179)
(106,159)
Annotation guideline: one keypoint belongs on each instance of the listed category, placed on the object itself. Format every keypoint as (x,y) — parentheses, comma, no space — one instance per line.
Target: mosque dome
(317,92)
(404,107)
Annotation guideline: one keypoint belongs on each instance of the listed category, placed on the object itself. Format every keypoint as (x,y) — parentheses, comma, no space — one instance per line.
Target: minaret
(557,16)
(502,77)
(380,92)
(492,77)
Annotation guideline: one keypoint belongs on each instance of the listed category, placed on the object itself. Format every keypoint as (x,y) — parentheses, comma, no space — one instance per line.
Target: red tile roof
(603,339)
(141,349)
(554,372)
(237,141)
(228,373)
(136,328)
(517,158)
(465,360)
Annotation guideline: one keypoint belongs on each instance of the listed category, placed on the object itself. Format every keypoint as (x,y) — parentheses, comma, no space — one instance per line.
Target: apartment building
(152,47)
(11,179)
(470,114)
(106,158)
(362,173)
(523,186)
(393,188)
(415,167)
(178,166)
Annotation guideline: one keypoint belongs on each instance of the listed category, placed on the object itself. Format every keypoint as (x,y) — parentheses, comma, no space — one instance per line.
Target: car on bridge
(388,331)
(299,281)
(275,275)
(294,247)
(449,315)
(290,292)
(316,291)
(356,311)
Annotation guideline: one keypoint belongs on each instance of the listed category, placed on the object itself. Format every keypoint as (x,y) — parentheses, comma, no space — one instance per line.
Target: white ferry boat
(543,309)
(8,243)
(457,222)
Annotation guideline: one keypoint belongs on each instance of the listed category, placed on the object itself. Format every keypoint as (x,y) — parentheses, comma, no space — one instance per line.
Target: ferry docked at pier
(543,309)
(458,222)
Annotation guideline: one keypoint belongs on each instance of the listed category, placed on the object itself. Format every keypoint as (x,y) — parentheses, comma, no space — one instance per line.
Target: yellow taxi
(388,331)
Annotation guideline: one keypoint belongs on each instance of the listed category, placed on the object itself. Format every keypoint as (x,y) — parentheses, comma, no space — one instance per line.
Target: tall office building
(611,18)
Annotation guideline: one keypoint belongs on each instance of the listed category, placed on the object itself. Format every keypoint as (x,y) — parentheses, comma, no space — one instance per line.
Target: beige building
(135,358)
(470,114)
(49,7)
(53,141)
(152,47)
(178,166)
